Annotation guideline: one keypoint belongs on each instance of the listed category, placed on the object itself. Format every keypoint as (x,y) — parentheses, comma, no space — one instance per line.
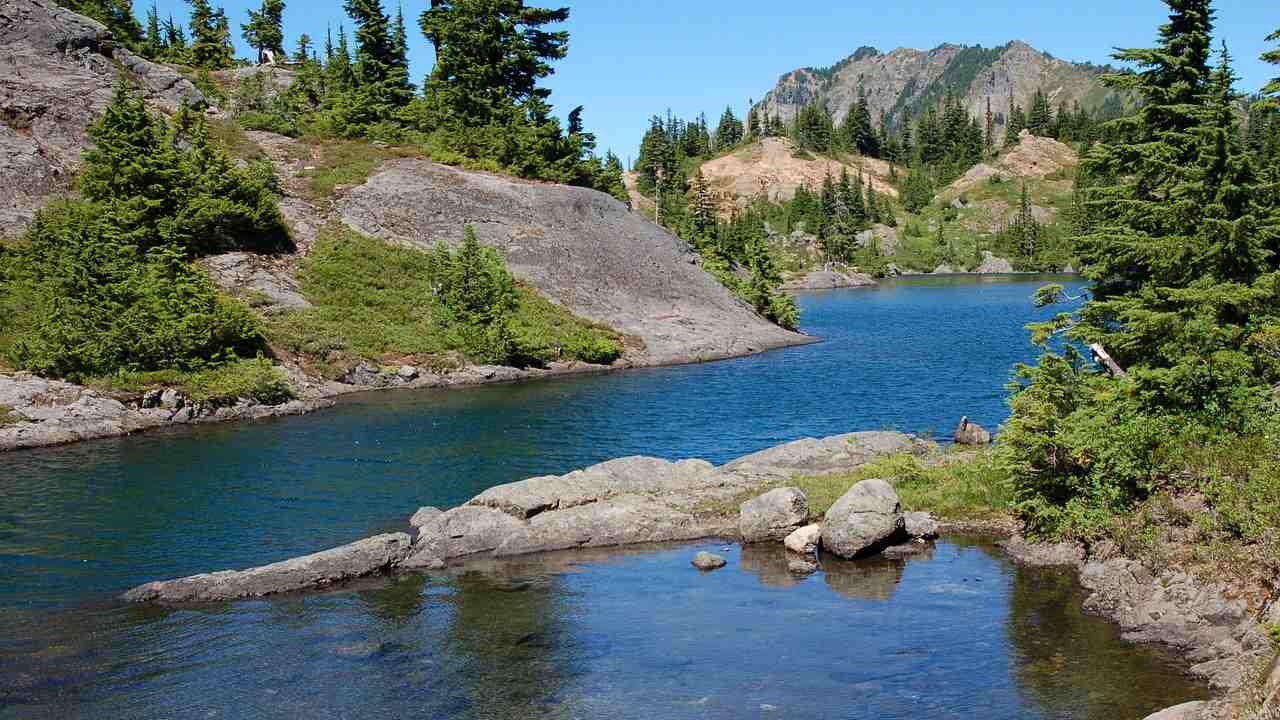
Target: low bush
(256,379)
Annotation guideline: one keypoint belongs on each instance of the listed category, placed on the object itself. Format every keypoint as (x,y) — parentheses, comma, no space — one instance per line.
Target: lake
(624,634)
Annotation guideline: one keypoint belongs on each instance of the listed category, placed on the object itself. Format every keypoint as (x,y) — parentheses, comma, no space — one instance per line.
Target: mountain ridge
(904,81)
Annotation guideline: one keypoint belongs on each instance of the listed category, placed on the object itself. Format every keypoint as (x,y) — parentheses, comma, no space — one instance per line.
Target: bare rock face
(580,248)
(361,558)
(1216,630)
(623,520)
(971,433)
(864,521)
(773,516)
(1042,555)
(60,71)
(259,279)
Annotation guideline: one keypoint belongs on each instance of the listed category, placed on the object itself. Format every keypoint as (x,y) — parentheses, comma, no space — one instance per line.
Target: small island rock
(804,541)
(708,561)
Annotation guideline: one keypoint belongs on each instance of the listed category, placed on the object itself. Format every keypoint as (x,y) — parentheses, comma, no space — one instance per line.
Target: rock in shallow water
(864,520)
(804,541)
(971,433)
(1185,711)
(773,515)
(920,525)
(708,561)
(358,559)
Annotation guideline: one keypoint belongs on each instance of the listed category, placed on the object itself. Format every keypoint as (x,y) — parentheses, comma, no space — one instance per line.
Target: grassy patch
(8,416)
(963,489)
(350,162)
(256,379)
(381,302)
(232,136)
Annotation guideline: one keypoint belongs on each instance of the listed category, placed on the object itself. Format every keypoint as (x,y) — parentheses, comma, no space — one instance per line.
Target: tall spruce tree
(211,47)
(1040,118)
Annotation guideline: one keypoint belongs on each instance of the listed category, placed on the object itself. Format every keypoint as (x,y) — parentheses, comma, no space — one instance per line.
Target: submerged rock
(804,541)
(864,520)
(906,550)
(971,433)
(708,561)
(1185,711)
(773,515)
(358,559)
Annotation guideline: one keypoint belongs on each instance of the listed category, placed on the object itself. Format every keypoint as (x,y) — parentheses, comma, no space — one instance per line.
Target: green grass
(960,490)
(350,162)
(232,136)
(257,379)
(376,301)
(8,416)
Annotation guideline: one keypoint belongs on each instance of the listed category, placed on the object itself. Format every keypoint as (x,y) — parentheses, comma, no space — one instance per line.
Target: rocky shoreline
(638,501)
(36,412)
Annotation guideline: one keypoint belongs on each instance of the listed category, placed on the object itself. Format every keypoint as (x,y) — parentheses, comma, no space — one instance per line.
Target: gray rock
(468,530)
(801,565)
(1040,555)
(839,453)
(365,557)
(407,372)
(1271,688)
(425,516)
(621,520)
(805,540)
(171,399)
(707,561)
(629,475)
(863,521)
(971,433)
(1185,711)
(265,282)
(580,248)
(771,517)
(60,74)
(905,550)
(920,525)
(944,269)
(992,265)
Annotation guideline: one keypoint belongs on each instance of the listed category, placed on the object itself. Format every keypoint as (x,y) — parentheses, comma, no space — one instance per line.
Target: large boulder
(823,456)
(829,280)
(863,521)
(771,517)
(358,559)
(623,520)
(60,72)
(581,248)
(992,265)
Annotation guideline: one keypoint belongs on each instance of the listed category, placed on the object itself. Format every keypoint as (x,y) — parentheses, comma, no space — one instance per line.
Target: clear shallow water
(80,524)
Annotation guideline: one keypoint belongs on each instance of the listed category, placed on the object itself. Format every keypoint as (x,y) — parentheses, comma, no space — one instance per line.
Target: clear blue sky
(630,59)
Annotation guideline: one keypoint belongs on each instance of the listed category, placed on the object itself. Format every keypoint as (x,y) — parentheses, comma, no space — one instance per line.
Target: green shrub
(257,379)
(85,304)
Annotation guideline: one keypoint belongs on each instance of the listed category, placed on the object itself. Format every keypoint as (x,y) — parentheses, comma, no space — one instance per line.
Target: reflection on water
(623,634)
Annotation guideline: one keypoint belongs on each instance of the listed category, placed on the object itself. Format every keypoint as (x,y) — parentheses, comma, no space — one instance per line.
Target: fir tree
(210,36)
(302,54)
(729,131)
(1040,118)
(1272,88)
(265,30)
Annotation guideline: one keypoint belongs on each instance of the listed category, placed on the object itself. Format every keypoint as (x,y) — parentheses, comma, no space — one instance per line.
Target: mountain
(901,83)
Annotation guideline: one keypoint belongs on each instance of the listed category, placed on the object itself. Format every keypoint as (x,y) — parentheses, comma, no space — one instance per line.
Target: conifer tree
(302,54)
(1040,118)
(265,30)
(729,131)
(211,47)
(154,43)
(1272,88)
(989,136)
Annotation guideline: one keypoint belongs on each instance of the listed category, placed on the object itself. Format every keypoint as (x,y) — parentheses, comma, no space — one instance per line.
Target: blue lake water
(630,635)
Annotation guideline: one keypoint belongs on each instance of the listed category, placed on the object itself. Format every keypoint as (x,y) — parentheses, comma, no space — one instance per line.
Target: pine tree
(1016,124)
(702,206)
(302,54)
(729,132)
(380,71)
(989,135)
(265,30)
(1272,88)
(154,41)
(211,47)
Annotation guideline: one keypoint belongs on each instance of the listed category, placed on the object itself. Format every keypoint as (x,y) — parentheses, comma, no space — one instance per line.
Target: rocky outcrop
(580,248)
(992,265)
(60,71)
(1217,631)
(50,412)
(1043,555)
(829,280)
(259,280)
(365,557)
(864,521)
(1185,711)
(773,516)
(971,433)
(1032,157)
(620,502)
